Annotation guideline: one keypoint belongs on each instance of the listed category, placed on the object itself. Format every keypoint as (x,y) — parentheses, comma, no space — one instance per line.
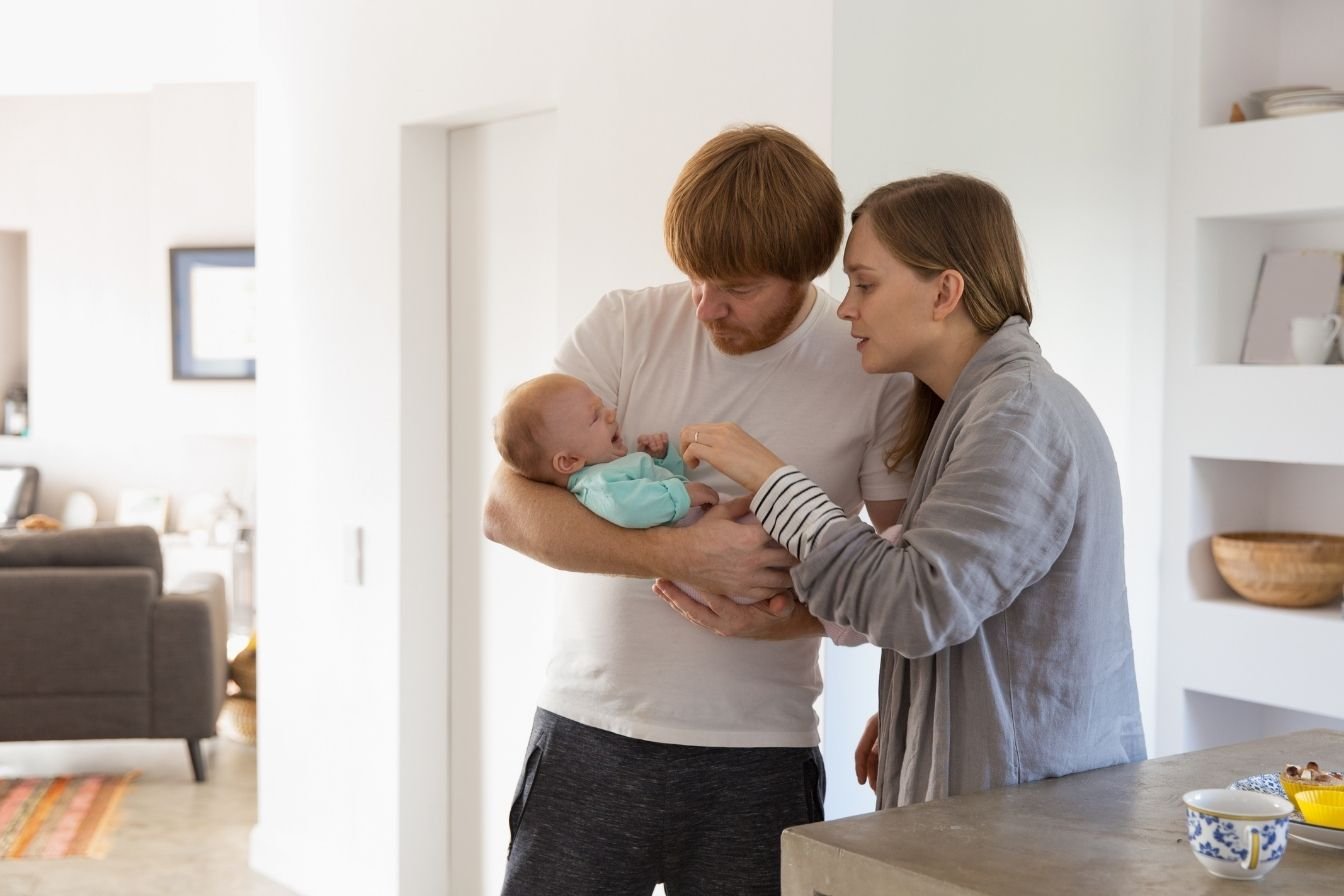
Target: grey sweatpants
(602,814)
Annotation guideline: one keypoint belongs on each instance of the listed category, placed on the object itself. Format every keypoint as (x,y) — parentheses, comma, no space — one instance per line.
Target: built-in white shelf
(1272,168)
(1246,446)
(1257,412)
(1268,655)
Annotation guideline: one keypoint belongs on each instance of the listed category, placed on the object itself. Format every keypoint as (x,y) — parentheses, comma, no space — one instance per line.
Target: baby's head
(553,426)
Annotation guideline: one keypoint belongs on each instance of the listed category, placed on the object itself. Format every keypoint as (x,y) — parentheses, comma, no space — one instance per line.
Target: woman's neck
(950,359)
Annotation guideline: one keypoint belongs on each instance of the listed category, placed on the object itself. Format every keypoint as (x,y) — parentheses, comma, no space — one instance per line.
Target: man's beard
(735,340)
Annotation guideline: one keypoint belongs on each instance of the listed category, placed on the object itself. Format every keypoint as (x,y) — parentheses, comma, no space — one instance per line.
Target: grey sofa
(91,647)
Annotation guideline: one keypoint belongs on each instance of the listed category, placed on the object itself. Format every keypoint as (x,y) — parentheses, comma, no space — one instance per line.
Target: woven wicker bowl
(1282,569)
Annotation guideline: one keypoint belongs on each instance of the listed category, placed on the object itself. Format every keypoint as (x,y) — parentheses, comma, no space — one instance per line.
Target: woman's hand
(865,755)
(726,448)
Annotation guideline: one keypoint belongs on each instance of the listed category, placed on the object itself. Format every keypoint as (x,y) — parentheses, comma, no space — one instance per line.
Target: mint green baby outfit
(637,491)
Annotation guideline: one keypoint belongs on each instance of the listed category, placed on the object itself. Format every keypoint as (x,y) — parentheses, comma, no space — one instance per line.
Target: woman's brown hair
(755,200)
(950,222)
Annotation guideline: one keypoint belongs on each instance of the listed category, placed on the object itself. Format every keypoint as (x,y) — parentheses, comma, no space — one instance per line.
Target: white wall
(636,87)
(103,186)
(504,197)
(1065,106)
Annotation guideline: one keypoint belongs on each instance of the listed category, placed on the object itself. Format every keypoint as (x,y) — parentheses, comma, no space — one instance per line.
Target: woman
(1002,610)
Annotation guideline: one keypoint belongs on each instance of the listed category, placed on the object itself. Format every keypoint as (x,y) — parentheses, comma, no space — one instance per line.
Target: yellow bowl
(1323,807)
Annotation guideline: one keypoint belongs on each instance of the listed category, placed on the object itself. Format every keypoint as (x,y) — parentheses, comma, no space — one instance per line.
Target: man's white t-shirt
(626,662)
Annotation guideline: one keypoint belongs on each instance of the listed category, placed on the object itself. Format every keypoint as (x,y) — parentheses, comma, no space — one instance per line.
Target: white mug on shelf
(1313,336)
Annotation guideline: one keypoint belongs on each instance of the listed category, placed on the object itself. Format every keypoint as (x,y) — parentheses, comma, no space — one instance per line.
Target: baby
(555,429)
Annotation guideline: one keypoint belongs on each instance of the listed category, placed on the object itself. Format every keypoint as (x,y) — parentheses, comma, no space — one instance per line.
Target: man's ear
(951,285)
(567,464)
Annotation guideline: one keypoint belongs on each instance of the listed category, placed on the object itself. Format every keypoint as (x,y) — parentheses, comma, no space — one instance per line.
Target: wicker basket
(238,720)
(1282,569)
(243,669)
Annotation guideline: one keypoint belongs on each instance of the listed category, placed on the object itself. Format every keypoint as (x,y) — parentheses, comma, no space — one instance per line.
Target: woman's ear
(567,464)
(951,285)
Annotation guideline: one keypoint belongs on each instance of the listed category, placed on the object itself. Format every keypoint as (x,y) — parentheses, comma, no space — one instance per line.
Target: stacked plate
(1283,103)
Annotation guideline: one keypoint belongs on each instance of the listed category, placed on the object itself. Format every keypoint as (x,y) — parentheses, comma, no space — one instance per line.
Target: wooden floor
(174,837)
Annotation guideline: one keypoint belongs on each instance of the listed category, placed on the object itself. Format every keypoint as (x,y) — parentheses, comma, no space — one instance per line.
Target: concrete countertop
(1114,830)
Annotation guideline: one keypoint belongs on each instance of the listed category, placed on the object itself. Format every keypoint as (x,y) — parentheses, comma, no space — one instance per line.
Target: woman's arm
(993,524)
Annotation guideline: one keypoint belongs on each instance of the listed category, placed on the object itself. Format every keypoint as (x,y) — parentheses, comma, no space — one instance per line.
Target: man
(661,752)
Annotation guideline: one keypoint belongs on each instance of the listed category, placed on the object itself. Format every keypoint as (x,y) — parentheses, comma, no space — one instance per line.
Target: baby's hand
(701,494)
(654,443)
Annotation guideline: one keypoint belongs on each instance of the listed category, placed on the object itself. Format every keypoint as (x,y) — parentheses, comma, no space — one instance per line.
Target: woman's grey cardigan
(1002,614)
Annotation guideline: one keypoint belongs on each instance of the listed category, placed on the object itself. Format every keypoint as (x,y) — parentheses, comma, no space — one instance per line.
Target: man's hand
(701,494)
(653,443)
(722,556)
(865,755)
(780,618)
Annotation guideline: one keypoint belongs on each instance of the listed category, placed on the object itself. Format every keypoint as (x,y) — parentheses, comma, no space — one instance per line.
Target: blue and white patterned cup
(1235,833)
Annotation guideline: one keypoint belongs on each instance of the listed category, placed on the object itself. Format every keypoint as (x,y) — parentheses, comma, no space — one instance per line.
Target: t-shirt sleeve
(876,483)
(595,350)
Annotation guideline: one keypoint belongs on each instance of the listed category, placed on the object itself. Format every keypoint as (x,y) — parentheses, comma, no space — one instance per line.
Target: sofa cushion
(101,546)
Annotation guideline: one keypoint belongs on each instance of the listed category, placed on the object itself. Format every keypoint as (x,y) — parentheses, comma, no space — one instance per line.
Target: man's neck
(804,309)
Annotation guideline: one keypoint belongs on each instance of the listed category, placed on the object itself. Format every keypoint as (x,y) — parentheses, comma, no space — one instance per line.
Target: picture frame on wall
(214,313)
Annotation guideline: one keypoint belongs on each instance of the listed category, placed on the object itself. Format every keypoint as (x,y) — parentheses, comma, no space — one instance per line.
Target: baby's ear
(567,464)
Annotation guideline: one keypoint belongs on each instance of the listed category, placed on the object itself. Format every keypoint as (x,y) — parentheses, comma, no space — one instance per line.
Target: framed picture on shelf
(214,311)
(143,507)
(1293,283)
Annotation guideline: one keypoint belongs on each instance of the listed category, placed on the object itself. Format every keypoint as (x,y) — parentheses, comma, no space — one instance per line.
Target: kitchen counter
(1114,830)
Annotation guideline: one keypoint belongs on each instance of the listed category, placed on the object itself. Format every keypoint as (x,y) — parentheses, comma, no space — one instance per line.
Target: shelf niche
(1240,496)
(1256,44)
(1230,251)
(1213,721)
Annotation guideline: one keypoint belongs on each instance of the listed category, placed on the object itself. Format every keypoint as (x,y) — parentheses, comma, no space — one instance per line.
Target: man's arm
(782,618)
(546,523)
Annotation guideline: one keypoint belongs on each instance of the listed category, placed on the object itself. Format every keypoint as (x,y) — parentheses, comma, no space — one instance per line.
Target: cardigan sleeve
(994,523)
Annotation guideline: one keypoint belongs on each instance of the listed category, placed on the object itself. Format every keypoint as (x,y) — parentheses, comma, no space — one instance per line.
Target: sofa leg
(197,760)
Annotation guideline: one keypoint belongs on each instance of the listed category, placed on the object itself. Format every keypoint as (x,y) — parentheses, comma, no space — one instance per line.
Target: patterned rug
(50,818)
